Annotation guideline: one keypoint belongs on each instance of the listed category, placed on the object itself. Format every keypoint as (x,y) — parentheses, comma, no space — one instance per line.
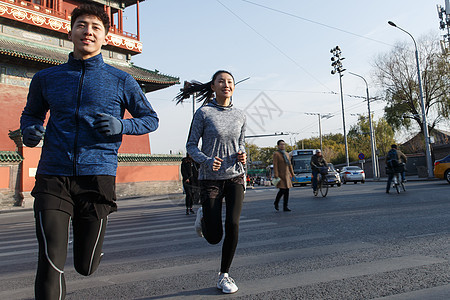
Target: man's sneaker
(226,284)
(198,222)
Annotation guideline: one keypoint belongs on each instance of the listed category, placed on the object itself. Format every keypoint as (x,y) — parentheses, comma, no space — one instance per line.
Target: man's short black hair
(279,142)
(90,10)
(394,146)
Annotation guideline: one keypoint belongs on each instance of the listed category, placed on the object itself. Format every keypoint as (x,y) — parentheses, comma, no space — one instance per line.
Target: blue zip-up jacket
(74,93)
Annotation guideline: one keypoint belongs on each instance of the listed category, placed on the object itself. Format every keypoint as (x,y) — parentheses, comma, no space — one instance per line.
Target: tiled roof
(31,51)
(10,156)
(152,80)
(126,157)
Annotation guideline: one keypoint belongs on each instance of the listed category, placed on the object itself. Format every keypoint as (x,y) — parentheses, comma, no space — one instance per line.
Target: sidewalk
(175,196)
(408,178)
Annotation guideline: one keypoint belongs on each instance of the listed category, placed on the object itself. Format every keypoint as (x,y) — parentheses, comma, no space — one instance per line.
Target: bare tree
(396,73)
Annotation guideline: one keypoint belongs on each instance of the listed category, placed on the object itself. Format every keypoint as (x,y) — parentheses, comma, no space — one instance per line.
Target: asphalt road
(357,243)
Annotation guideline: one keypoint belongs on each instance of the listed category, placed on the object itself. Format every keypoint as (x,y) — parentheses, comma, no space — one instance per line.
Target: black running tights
(213,193)
(52,231)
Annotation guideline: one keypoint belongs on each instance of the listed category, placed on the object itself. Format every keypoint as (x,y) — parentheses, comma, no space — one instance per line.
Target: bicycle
(322,182)
(397,183)
(396,170)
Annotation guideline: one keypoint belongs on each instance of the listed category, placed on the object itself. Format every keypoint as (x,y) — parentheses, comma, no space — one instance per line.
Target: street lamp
(372,137)
(327,116)
(424,117)
(337,67)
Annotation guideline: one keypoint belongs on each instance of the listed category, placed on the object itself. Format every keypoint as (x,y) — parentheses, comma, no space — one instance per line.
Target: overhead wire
(294,61)
(274,45)
(315,22)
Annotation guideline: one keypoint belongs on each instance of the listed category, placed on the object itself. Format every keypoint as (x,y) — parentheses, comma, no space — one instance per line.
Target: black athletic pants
(285,194)
(189,201)
(84,200)
(212,194)
(52,231)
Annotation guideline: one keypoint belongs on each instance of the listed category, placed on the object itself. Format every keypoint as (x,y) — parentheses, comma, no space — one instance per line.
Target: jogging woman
(222,157)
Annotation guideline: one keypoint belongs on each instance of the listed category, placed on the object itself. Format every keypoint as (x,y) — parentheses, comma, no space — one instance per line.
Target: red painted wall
(135,143)
(148,173)
(31,158)
(4,177)
(13,100)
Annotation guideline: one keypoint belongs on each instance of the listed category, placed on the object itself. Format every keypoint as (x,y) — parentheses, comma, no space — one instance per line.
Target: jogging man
(75,179)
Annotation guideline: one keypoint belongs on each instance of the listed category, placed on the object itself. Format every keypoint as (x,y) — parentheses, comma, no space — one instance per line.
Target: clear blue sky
(283,46)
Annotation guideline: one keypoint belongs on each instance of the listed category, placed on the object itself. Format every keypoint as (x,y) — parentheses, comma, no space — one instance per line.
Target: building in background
(34,36)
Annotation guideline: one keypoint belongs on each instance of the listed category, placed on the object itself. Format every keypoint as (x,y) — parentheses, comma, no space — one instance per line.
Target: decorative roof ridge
(36,43)
(146,154)
(155,71)
(10,156)
(138,157)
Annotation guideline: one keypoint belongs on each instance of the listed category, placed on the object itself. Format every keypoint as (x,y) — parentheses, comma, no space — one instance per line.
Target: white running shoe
(226,284)
(198,222)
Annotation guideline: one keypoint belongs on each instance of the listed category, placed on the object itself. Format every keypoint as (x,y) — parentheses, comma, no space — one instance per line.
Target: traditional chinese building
(34,36)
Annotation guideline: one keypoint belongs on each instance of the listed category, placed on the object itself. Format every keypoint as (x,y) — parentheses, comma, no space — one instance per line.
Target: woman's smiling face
(223,86)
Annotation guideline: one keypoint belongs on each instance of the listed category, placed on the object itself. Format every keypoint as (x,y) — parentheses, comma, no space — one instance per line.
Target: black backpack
(392,159)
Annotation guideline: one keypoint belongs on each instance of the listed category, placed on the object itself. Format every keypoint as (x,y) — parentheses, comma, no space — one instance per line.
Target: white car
(352,173)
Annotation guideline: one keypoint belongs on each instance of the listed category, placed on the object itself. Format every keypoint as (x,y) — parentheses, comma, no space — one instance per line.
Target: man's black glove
(108,125)
(32,135)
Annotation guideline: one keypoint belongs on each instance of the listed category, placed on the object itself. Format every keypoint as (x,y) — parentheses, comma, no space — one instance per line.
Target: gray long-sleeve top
(222,130)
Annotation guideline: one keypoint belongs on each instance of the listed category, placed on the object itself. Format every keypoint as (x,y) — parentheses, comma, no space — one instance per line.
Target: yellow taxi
(442,168)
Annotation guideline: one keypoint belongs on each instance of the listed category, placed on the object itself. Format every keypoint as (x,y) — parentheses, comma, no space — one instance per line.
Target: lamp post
(327,116)
(372,136)
(337,67)
(424,117)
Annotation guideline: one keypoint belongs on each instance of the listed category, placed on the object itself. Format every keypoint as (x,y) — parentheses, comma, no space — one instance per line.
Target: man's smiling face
(88,36)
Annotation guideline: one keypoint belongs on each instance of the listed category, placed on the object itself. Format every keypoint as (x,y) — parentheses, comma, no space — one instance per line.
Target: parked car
(352,173)
(333,176)
(442,168)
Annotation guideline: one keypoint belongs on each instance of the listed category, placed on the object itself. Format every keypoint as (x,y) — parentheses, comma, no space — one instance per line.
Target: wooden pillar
(137,18)
(112,20)
(120,20)
(60,5)
(108,12)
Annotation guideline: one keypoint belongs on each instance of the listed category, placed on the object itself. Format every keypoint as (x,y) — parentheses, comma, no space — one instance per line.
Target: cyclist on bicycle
(395,163)
(317,162)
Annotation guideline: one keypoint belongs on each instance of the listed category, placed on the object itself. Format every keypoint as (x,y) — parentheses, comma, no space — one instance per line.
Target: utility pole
(193,104)
(372,136)
(444,16)
(327,116)
(338,68)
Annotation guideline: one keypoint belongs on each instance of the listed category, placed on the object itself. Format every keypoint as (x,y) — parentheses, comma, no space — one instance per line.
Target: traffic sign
(361,156)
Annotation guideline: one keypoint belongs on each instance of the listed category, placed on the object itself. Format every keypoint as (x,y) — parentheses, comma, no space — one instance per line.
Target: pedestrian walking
(221,127)
(282,169)
(75,178)
(189,172)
